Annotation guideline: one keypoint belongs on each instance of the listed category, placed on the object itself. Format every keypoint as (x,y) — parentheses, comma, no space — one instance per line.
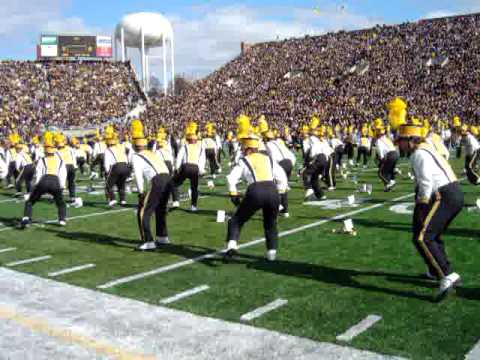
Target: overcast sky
(208,33)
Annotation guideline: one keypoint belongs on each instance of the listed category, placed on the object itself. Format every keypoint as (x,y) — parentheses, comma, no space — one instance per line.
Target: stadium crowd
(345,77)
(63,94)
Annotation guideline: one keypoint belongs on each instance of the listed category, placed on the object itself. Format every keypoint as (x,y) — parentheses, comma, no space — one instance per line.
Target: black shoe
(25,223)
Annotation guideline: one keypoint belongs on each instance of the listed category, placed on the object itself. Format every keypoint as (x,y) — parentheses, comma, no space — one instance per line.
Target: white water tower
(144,31)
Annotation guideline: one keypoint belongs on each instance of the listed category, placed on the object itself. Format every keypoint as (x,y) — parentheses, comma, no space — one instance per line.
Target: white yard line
(71,270)
(8,249)
(74,217)
(263,310)
(359,328)
(28,261)
(474,354)
(183,263)
(7,200)
(184,294)
(86,216)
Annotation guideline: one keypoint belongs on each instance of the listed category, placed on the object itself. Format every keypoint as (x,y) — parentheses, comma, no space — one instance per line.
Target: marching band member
(190,163)
(337,146)
(329,173)
(319,153)
(50,178)
(364,147)
(85,146)
(10,158)
(127,144)
(164,150)
(472,149)
(25,168)
(69,158)
(279,153)
(97,155)
(36,149)
(349,141)
(387,155)
(210,146)
(438,201)
(456,138)
(265,179)
(116,167)
(80,154)
(219,146)
(149,167)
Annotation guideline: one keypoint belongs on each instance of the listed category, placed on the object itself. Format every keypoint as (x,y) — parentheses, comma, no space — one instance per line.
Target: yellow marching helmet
(250,141)
(229,135)
(49,143)
(314,122)
(262,125)
(75,142)
(110,135)
(464,129)
(456,121)
(35,140)
(191,131)
(409,130)
(136,131)
(397,112)
(161,136)
(305,129)
(364,131)
(378,127)
(60,140)
(210,129)
(320,131)
(330,132)
(243,126)
(14,139)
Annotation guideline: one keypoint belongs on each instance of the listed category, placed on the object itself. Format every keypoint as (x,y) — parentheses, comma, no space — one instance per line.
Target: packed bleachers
(346,77)
(63,94)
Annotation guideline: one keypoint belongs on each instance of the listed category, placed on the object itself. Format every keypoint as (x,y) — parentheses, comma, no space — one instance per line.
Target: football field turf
(332,281)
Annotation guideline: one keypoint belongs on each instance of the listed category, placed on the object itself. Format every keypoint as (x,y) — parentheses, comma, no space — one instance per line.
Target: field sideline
(330,282)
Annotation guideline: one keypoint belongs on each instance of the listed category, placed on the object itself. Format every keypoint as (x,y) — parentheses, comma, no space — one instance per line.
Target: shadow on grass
(201,212)
(377,223)
(394,226)
(104,206)
(10,222)
(331,275)
(186,251)
(101,239)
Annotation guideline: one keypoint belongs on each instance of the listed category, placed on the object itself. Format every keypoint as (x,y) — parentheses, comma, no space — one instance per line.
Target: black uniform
(52,173)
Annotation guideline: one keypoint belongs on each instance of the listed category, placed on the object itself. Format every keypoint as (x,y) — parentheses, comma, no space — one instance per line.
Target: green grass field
(331,281)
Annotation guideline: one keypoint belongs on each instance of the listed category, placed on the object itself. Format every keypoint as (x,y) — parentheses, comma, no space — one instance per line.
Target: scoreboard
(77,46)
(74,47)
